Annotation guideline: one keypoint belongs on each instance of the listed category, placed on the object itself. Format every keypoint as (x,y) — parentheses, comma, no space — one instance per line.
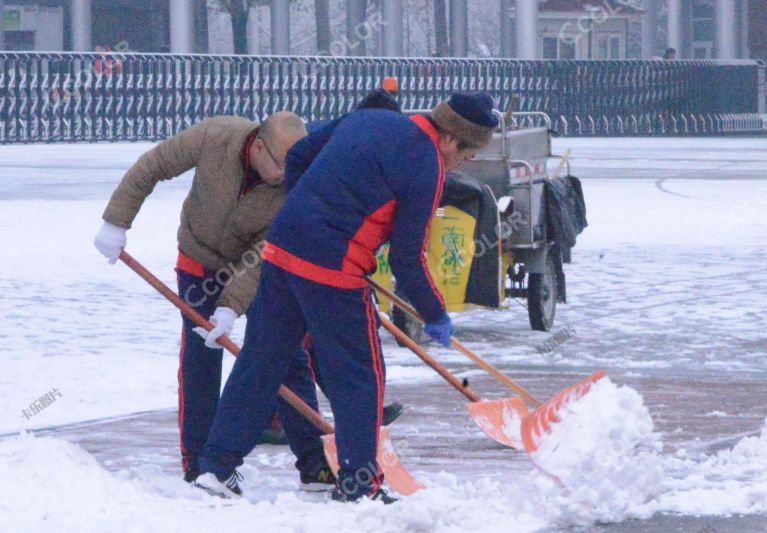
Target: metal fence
(68,97)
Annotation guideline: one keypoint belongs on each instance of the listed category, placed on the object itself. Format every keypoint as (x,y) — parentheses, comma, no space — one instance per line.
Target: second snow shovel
(498,419)
(484,365)
(535,426)
(532,427)
(397,477)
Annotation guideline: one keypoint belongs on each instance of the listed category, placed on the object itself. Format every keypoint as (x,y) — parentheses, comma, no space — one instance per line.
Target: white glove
(223,322)
(110,240)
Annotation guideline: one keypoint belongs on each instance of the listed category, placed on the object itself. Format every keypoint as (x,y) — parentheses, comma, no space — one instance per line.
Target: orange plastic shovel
(498,419)
(507,420)
(397,477)
(484,365)
(537,425)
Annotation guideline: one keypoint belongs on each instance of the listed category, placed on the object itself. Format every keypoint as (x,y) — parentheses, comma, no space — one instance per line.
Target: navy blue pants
(200,384)
(344,328)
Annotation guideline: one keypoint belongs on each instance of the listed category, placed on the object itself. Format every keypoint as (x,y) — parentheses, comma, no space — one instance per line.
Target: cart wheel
(409,325)
(542,297)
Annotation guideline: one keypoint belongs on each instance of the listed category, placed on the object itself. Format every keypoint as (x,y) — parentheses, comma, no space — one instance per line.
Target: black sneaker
(223,488)
(321,480)
(379,495)
(383,496)
(391,412)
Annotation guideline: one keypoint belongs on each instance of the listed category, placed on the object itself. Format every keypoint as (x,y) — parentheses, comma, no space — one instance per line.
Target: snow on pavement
(44,482)
(669,278)
(614,470)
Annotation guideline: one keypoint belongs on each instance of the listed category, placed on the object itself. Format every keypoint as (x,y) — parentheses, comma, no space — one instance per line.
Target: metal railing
(69,97)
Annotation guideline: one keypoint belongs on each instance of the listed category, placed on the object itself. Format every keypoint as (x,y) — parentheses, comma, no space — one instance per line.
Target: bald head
(277,134)
(282,130)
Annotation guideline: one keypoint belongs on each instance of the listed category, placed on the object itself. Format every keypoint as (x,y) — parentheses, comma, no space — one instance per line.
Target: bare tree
(375,46)
(484,28)
(2,28)
(322,18)
(418,27)
(440,28)
(238,11)
(355,27)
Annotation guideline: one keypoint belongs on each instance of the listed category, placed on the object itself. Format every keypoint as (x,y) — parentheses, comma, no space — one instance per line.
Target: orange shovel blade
(537,425)
(501,420)
(395,475)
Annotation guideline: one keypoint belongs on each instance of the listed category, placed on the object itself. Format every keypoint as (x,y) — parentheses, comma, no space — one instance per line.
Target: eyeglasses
(268,151)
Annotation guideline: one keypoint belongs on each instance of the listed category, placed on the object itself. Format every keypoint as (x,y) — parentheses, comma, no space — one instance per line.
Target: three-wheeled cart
(489,242)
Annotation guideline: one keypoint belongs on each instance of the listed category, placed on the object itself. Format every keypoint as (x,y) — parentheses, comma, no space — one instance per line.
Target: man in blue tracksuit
(377,176)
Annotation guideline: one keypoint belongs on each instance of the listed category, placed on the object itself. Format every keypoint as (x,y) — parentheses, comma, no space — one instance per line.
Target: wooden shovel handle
(490,369)
(286,394)
(429,360)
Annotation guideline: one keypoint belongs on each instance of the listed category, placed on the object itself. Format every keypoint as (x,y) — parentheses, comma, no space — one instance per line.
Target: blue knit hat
(467,116)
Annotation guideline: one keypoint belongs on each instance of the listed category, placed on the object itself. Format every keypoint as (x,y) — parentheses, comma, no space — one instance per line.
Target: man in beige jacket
(236,192)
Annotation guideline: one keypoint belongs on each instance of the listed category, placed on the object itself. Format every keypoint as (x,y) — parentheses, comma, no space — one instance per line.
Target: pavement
(436,430)
(683,325)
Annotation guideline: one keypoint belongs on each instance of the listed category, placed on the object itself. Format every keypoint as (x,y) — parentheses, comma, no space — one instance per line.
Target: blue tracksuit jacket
(373,176)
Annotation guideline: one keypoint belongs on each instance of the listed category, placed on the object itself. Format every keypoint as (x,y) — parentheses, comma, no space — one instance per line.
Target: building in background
(757,35)
(701,29)
(570,29)
(527,29)
(86,25)
(33,25)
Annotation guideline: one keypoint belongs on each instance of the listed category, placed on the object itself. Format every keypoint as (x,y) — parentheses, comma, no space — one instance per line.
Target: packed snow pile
(605,454)
(48,484)
(612,470)
(732,481)
(604,451)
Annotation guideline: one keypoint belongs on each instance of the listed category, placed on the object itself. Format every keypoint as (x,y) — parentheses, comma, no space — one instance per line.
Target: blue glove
(440,330)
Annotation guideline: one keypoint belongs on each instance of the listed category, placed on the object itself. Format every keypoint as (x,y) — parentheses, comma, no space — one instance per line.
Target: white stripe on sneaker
(210,484)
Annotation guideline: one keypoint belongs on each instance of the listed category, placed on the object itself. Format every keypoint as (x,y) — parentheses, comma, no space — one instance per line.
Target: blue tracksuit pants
(200,384)
(199,373)
(344,328)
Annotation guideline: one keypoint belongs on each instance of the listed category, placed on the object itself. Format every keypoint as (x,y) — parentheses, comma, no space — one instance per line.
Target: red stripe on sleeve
(429,130)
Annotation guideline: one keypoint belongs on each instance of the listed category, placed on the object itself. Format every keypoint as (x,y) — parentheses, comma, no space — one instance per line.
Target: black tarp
(565,211)
(468,194)
(565,220)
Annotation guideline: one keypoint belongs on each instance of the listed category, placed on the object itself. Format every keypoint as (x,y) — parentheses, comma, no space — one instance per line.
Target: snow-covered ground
(668,286)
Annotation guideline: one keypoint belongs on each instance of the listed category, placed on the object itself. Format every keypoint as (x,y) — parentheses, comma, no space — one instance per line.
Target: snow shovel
(498,419)
(397,477)
(487,367)
(535,426)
